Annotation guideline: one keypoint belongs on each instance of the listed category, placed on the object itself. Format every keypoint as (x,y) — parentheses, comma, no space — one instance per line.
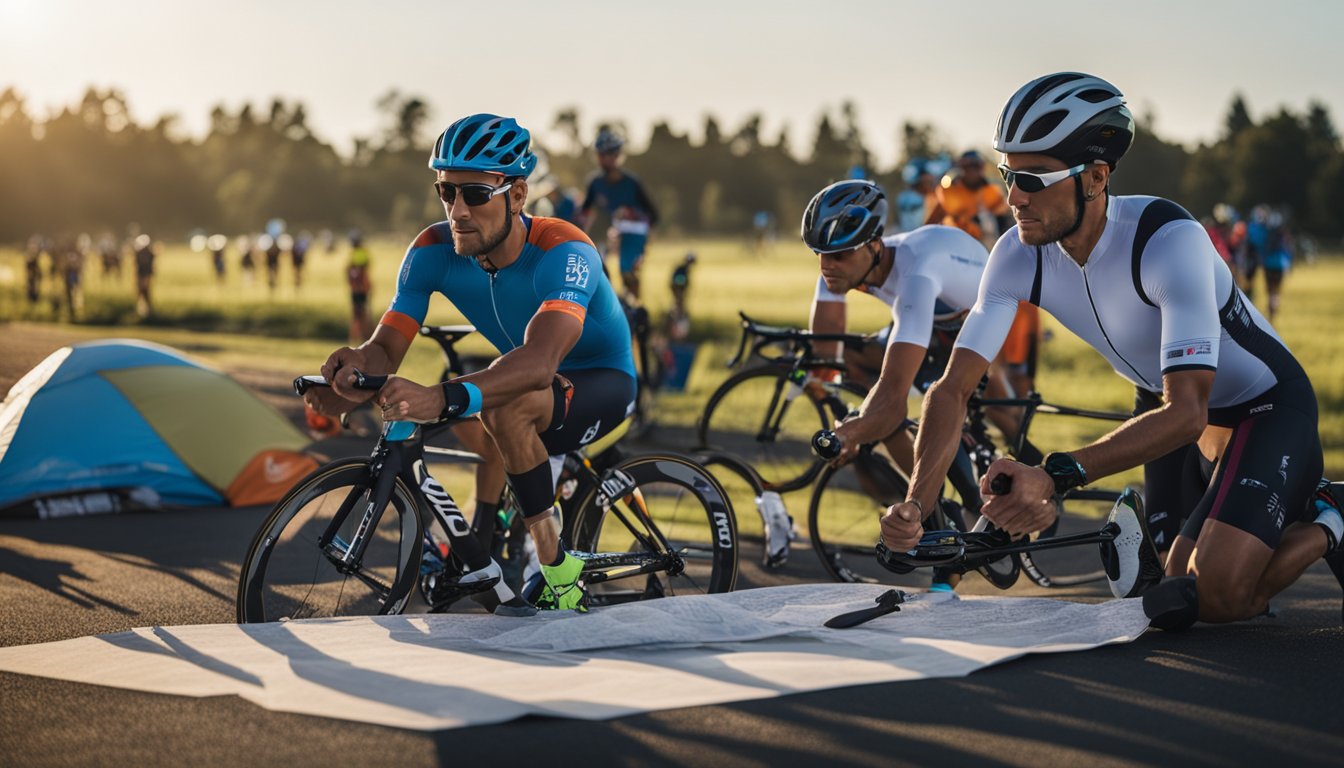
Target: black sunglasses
(1035,182)
(472,194)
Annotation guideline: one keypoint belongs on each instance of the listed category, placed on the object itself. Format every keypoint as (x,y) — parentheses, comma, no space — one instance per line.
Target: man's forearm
(936,444)
(1137,441)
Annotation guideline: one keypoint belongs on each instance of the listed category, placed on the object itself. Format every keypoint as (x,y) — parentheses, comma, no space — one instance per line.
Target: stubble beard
(489,242)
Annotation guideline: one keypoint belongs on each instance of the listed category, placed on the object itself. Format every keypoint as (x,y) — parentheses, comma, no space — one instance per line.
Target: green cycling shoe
(563,591)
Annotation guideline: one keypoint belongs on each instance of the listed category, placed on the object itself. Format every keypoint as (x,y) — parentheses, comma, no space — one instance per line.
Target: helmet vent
(1042,127)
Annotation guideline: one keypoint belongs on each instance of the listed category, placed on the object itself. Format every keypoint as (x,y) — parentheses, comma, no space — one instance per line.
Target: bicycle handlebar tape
(1001,484)
(826,445)
(368,381)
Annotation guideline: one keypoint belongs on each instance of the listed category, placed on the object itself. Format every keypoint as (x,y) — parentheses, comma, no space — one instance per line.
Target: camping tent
(118,424)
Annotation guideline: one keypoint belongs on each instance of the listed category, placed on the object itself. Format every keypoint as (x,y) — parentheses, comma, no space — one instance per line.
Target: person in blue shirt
(534,287)
(620,195)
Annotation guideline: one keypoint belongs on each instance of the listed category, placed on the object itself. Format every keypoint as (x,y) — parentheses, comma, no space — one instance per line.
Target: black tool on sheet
(887,602)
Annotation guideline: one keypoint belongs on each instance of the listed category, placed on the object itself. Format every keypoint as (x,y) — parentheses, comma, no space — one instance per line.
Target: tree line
(91,167)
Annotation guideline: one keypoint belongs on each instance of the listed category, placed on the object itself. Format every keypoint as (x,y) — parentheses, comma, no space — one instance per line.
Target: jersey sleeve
(1006,281)
(567,278)
(1177,275)
(912,313)
(416,281)
(824,294)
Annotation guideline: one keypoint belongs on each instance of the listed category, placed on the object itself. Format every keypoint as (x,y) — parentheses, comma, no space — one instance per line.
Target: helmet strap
(1081,200)
(877,259)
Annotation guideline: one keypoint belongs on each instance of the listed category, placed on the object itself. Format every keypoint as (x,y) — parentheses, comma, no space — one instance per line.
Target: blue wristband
(460,400)
(473,399)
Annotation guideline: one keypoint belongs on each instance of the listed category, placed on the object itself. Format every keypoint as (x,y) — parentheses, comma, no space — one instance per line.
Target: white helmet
(1071,116)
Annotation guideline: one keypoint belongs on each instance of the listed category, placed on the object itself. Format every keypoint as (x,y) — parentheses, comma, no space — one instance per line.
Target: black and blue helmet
(844,215)
(487,144)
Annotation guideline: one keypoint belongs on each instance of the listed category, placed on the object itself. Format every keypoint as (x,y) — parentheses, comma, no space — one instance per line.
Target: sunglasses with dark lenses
(1035,182)
(472,194)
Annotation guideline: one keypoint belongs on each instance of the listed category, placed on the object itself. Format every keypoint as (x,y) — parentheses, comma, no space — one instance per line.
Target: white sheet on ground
(448,671)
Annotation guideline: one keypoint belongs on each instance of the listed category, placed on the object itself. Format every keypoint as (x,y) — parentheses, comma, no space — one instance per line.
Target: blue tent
(118,424)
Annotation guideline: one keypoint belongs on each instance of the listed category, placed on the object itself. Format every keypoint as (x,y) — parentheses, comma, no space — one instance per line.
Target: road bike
(848,502)
(766,414)
(352,538)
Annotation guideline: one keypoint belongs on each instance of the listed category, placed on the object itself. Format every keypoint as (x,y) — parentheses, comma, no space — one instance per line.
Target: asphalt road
(1260,692)
(1265,691)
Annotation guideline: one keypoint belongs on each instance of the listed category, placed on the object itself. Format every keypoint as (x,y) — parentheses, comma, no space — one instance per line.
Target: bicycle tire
(844,520)
(733,422)
(286,576)
(662,497)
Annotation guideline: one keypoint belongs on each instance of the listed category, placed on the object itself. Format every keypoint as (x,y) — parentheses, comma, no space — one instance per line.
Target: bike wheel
(759,416)
(286,575)
(662,510)
(1081,511)
(844,519)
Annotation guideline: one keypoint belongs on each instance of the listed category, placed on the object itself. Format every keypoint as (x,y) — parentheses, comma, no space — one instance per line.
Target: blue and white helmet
(487,144)
(1071,116)
(844,215)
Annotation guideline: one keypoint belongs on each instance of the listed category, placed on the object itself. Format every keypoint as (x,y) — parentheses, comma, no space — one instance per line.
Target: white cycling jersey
(1154,297)
(935,274)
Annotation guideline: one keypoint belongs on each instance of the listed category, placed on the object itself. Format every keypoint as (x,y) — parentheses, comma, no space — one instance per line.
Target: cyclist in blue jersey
(534,287)
(1138,279)
(620,195)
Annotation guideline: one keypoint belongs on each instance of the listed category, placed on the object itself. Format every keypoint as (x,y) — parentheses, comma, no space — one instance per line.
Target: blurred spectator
(357,274)
(550,199)
(968,201)
(32,266)
(144,275)
(1277,258)
(268,244)
(247,259)
(109,251)
(917,201)
(298,252)
(217,245)
(679,321)
(72,274)
(618,193)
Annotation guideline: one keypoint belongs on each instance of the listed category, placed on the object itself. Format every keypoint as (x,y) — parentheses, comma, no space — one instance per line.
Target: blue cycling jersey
(557,271)
(625,192)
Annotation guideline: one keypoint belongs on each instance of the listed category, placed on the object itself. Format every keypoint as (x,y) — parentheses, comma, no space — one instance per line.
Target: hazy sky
(951,63)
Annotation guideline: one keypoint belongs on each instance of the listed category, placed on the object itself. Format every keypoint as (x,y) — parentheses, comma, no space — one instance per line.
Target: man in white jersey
(929,278)
(1138,279)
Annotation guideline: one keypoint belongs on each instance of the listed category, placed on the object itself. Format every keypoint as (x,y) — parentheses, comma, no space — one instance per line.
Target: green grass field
(242,324)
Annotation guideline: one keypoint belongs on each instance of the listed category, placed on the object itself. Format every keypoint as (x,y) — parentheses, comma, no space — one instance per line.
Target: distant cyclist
(626,204)
(534,288)
(1138,279)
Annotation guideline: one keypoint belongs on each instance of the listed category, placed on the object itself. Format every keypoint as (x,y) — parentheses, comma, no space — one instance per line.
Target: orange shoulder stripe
(568,307)
(548,232)
(401,323)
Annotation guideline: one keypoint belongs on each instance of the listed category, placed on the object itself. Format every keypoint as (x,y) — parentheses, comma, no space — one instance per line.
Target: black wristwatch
(1065,471)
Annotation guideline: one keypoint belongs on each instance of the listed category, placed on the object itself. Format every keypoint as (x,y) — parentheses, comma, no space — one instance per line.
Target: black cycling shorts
(589,403)
(1271,465)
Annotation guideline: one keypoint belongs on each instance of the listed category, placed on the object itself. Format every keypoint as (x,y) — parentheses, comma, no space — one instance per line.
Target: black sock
(485,522)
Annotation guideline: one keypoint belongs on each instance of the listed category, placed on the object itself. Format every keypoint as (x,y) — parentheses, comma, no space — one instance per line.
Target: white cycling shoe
(1131,561)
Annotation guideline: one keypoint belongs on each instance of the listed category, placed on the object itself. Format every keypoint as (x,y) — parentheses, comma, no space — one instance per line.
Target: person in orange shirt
(968,201)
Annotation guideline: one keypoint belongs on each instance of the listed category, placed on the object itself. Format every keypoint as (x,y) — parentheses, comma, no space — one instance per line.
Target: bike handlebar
(800,339)
(365,381)
(826,445)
